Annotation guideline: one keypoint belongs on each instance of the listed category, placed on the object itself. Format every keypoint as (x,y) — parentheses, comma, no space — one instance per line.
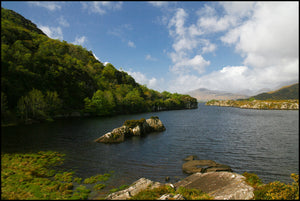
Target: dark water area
(265,142)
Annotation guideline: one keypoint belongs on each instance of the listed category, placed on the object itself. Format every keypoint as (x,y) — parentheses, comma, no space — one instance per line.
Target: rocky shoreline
(257,104)
(220,184)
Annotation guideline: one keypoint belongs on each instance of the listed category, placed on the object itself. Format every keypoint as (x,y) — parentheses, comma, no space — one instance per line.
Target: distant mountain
(284,93)
(204,94)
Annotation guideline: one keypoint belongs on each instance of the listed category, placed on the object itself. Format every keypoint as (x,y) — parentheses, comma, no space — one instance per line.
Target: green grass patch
(189,194)
(119,188)
(31,176)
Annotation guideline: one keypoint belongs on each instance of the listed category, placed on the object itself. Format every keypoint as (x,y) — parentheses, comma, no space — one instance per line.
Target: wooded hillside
(42,78)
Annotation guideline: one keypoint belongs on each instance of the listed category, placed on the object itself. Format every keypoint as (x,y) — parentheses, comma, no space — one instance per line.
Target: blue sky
(181,46)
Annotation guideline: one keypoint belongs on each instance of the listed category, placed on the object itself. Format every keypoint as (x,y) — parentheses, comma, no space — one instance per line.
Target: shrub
(134,123)
(274,190)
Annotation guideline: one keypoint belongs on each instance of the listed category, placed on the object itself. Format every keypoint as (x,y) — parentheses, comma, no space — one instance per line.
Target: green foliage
(119,188)
(193,194)
(290,92)
(37,106)
(274,190)
(31,176)
(101,104)
(96,178)
(134,123)
(252,179)
(153,194)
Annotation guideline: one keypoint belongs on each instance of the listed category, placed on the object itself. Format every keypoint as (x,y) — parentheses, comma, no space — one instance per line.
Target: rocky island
(257,104)
(132,128)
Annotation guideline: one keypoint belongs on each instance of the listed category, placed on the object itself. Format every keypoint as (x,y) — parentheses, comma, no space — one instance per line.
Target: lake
(264,142)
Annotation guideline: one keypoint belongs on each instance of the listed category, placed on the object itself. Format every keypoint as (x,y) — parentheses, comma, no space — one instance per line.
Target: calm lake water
(265,142)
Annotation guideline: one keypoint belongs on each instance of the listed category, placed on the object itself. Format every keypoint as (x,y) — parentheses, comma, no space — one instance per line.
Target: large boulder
(202,166)
(220,185)
(155,124)
(116,135)
(134,189)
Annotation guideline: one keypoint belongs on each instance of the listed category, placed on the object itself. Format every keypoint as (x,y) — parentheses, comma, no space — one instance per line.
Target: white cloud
(52,32)
(148,57)
(187,40)
(80,40)
(185,65)
(63,22)
(50,5)
(158,3)
(101,7)
(152,83)
(131,44)
(265,34)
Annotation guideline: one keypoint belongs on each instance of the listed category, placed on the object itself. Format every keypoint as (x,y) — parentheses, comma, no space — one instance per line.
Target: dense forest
(44,78)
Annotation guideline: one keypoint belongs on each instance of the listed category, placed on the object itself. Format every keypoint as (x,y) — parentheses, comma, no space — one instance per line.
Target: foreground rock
(134,189)
(132,128)
(220,185)
(203,166)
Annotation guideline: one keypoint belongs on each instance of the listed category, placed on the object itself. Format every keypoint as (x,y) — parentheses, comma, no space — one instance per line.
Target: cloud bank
(264,34)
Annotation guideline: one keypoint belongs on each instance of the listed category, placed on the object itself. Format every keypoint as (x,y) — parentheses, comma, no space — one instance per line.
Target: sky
(179,46)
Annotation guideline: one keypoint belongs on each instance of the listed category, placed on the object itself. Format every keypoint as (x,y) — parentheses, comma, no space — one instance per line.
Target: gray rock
(115,136)
(155,124)
(134,189)
(202,166)
(220,185)
(190,158)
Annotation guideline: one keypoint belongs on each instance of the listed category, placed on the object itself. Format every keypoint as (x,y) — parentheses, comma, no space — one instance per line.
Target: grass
(32,176)
(188,194)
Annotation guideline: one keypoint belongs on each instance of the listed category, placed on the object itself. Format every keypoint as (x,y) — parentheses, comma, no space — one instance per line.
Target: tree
(133,102)
(32,106)
(101,104)
(53,102)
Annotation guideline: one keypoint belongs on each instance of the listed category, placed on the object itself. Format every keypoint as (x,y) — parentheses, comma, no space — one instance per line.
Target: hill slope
(284,93)
(42,78)
(203,94)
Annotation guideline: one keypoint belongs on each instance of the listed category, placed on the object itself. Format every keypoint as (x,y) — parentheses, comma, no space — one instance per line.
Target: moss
(153,194)
(134,123)
(154,117)
(119,188)
(96,178)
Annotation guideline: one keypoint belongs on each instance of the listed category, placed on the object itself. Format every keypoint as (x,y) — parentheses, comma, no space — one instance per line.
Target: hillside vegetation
(43,78)
(284,93)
